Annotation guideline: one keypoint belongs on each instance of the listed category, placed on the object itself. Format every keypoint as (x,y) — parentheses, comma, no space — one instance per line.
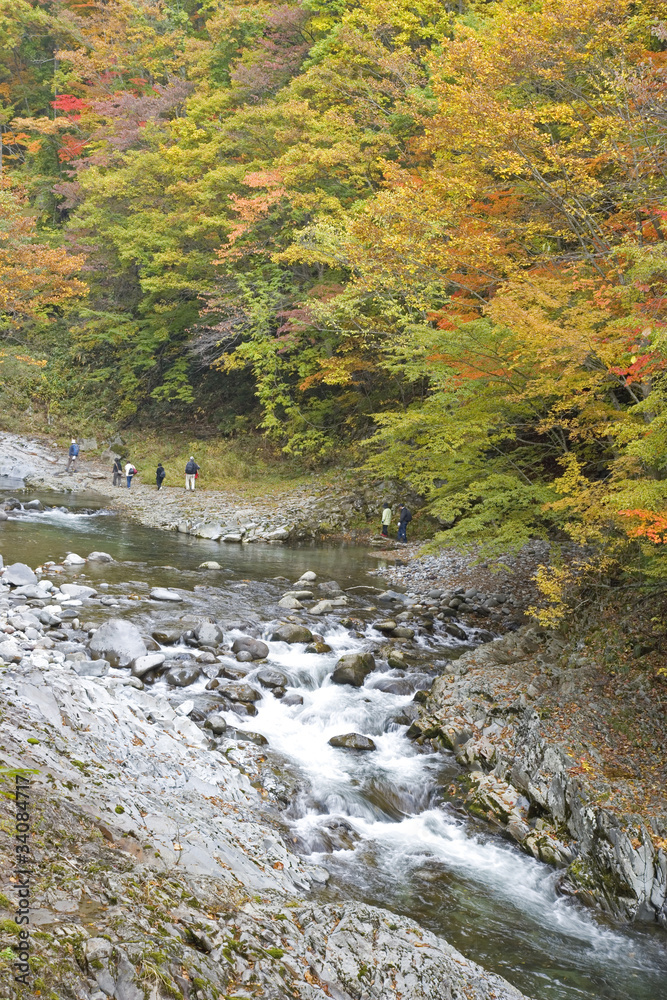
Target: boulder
(10,651)
(233,673)
(233,536)
(18,575)
(307,577)
(91,668)
(385,626)
(353,668)
(271,678)
(77,591)
(292,699)
(167,636)
(3,516)
(209,564)
(117,641)
(390,597)
(278,535)
(209,634)
(352,741)
(292,633)
(318,647)
(211,531)
(143,664)
(330,587)
(403,632)
(33,505)
(216,723)
(72,559)
(242,692)
(164,594)
(290,603)
(102,557)
(322,608)
(245,736)
(183,675)
(256,647)
(35,590)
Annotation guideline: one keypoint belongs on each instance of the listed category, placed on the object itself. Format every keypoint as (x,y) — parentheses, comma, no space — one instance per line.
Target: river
(380,822)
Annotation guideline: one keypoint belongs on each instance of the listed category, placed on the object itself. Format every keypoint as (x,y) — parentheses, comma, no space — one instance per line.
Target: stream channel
(379,822)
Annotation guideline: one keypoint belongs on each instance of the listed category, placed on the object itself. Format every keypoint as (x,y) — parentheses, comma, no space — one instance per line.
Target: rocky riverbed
(160,867)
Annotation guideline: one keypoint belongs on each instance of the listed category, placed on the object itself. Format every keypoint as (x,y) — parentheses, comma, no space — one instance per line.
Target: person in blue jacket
(73,455)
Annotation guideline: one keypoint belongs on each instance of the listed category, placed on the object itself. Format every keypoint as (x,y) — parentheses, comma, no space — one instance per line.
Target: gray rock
(91,668)
(258,649)
(300,595)
(290,603)
(245,736)
(292,633)
(244,656)
(233,537)
(322,608)
(387,625)
(352,741)
(318,647)
(117,641)
(242,692)
(73,559)
(209,634)
(164,594)
(271,678)
(33,505)
(183,675)
(390,597)
(403,632)
(143,664)
(10,651)
(102,557)
(167,636)
(308,577)
(330,587)
(211,531)
(216,722)
(233,673)
(77,591)
(292,699)
(353,668)
(209,564)
(18,575)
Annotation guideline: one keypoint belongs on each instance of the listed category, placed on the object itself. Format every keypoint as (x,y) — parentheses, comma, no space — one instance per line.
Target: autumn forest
(430,233)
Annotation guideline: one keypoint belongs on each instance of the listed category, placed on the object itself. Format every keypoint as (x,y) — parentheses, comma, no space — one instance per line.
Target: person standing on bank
(404,518)
(129,472)
(73,455)
(117,471)
(159,475)
(191,470)
(386,518)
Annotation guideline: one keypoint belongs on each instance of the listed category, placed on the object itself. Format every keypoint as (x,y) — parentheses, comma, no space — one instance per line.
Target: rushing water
(380,822)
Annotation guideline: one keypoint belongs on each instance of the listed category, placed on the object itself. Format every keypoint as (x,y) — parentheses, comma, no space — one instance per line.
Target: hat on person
(73,440)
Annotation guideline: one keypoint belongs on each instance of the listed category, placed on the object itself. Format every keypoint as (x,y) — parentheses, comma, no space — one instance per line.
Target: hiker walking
(191,470)
(117,472)
(129,472)
(404,518)
(73,455)
(159,475)
(386,518)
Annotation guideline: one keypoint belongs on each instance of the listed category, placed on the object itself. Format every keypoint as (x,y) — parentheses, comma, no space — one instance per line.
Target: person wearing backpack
(159,475)
(129,472)
(191,470)
(72,456)
(404,518)
(117,471)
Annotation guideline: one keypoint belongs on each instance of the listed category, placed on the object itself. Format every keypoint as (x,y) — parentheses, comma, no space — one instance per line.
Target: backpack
(407,515)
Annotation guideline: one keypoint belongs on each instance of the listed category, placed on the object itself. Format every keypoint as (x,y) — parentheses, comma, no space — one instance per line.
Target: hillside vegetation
(431,232)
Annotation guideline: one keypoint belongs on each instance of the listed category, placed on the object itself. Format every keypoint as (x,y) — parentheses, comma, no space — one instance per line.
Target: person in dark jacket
(191,470)
(159,475)
(117,472)
(72,455)
(404,518)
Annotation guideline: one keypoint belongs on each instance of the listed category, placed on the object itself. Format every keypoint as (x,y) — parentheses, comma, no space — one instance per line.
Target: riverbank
(561,735)
(314,507)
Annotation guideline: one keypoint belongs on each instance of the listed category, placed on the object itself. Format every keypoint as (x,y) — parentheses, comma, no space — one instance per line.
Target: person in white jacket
(129,472)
